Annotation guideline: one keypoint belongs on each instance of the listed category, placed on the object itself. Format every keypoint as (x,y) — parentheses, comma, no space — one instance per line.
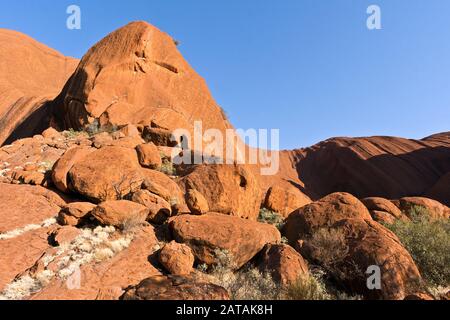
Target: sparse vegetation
(428,242)
(270,217)
(168,168)
(94,245)
(308,287)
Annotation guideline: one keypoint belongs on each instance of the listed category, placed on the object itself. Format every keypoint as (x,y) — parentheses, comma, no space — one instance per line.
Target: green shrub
(428,242)
(270,217)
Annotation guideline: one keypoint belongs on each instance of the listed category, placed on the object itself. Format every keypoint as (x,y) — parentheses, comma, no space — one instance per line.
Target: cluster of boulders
(116,179)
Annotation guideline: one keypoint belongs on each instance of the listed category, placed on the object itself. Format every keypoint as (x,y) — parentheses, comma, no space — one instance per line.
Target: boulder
(380,204)
(214,234)
(65,235)
(130,131)
(229,189)
(153,85)
(122,213)
(22,205)
(158,208)
(338,233)
(65,164)
(284,198)
(175,288)
(325,212)
(284,264)
(159,137)
(177,258)
(109,173)
(157,181)
(196,202)
(421,205)
(73,213)
(149,156)
(157,189)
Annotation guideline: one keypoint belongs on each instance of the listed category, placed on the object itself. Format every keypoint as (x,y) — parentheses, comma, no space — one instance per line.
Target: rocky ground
(93,207)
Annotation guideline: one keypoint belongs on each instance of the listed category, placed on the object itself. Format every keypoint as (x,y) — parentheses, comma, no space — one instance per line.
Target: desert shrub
(428,242)
(72,134)
(308,287)
(168,168)
(271,217)
(247,284)
(328,246)
(95,128)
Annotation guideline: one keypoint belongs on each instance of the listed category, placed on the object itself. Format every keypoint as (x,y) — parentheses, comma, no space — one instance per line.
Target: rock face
(339,234)
(32,74)
(229,189)
(175,288)
(177,258)
(386,167)
(106,174)
(120,213)
(284,263)
(137,75)
(440,191)
(214,234)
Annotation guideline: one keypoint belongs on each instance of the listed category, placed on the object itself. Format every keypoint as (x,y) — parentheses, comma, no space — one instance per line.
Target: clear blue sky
(308,67)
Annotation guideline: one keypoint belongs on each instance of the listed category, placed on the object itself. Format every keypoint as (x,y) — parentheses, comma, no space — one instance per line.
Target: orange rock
(157,189)
(284,263)
(158,208)
(32,74)
(213,234)
(349,243)
(380,204)
(149,156)
(65,164)
(177,258)
(284,198)
(109,278)
(74,212)
(153,84)
(435,209)
(229,189)
(122,213)
(196,202)
(65,235)
(175,288)
(107,174)
(324,212)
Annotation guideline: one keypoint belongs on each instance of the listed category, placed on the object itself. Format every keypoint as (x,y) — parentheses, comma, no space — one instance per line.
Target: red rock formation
(386,167)
(31,75)
(137,75)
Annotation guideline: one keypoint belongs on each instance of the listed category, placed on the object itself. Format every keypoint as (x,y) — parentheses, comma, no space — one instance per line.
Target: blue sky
(308,67)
